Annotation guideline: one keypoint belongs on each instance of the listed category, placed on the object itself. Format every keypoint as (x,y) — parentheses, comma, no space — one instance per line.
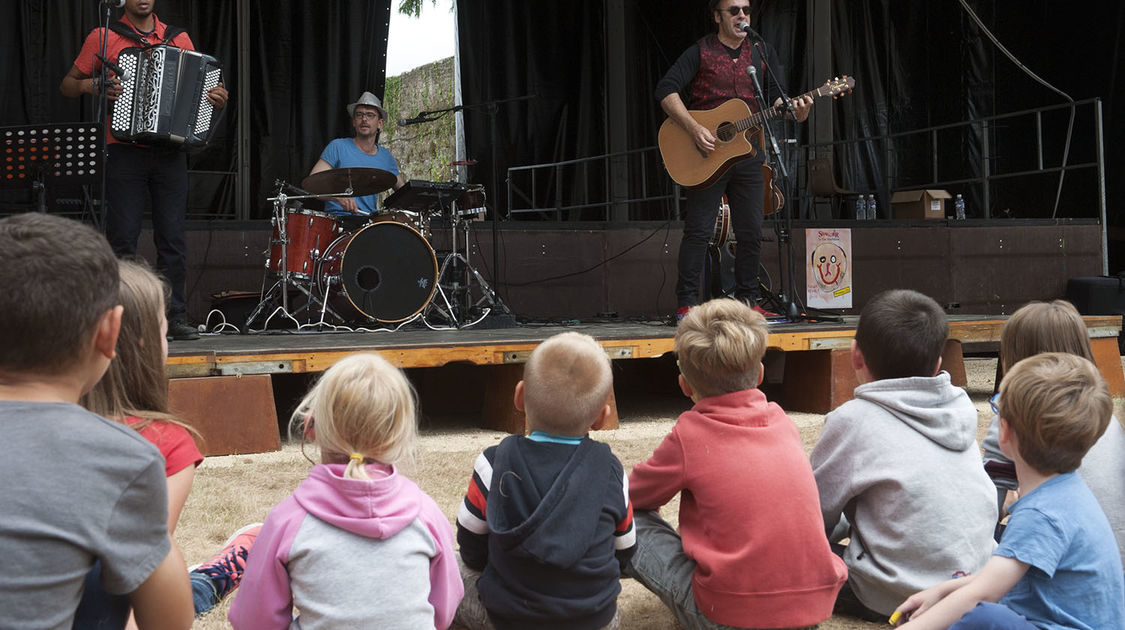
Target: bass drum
(384,272)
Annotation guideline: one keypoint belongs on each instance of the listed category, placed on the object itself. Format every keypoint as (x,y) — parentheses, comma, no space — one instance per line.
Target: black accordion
(165,99)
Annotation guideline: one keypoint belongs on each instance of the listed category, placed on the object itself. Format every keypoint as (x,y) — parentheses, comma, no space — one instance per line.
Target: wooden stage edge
(226,376)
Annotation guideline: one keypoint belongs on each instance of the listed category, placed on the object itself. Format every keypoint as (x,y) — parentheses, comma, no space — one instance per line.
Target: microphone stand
(785,231)
(492,108)
(100,112)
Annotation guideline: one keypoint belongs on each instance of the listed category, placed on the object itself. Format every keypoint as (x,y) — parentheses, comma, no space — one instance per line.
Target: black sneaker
(181,331)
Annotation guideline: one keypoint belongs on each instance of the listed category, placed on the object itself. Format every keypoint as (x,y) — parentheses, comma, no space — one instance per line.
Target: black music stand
(34,155)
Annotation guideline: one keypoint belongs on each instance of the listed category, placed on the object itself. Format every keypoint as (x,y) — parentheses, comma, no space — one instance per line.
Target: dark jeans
(98,610)
(744,187)
(134,174)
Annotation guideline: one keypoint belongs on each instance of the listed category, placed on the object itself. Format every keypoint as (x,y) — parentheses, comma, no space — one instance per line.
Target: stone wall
(424,150)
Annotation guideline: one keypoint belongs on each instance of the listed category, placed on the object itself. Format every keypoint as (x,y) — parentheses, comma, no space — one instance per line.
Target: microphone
(123,74)
(113,3)
(745,28)
(420,118)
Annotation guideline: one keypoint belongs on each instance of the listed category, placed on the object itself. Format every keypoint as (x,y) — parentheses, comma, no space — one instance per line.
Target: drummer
(362,150)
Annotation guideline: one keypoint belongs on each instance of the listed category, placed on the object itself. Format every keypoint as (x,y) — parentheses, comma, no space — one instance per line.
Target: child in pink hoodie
(358,544)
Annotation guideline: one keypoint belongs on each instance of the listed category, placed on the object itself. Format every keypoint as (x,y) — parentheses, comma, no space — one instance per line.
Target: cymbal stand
(458,275)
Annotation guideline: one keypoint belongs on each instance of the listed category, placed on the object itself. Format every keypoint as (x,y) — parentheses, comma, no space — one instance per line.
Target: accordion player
(164,100)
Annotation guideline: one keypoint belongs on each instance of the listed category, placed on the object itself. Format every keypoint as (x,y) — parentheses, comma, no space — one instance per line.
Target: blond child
(81,489)
(546,522)
(358,544)
(1057,565)
(751,550)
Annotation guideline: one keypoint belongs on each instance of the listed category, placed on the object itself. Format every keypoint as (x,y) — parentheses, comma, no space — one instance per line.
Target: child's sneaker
(226,567)
(681,313)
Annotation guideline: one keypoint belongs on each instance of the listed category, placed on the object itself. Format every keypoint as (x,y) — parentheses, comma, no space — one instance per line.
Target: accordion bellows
(165,99)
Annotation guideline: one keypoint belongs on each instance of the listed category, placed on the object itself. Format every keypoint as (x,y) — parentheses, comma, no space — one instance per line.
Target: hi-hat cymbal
(361,181)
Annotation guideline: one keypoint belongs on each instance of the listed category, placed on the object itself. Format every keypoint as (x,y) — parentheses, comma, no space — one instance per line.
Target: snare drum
(307,234)
(385,272)
(471,202)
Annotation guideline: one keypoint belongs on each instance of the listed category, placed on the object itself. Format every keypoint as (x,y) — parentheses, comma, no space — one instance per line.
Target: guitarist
(709,73)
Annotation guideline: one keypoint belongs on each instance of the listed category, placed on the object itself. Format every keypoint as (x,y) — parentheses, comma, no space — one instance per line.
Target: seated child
(1057,565)
(901,462)
(80,489)
(753,553)
(546,522)
(1058,327)
(358,545)
(134,391)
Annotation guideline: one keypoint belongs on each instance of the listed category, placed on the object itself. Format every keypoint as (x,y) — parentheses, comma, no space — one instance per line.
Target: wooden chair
(822,185)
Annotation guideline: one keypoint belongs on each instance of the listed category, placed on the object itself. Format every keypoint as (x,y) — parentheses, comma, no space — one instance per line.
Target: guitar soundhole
(725,132)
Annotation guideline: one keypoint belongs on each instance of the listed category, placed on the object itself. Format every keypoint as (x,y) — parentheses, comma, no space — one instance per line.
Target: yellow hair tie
(356,457)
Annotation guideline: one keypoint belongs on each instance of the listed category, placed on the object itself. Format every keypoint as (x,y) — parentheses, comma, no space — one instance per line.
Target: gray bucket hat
(367,98)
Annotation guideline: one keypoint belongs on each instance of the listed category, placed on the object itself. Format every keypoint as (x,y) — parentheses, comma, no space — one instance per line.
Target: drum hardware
(319,226)
(455,304)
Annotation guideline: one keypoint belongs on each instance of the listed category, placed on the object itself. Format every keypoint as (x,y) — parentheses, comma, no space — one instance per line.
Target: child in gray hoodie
(898,468)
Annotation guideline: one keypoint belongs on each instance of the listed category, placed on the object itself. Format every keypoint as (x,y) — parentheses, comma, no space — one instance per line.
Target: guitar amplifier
(165,99)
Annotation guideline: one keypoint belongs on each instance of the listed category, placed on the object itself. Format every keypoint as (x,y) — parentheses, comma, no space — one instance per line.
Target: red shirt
(174,443)
(749,513)
(89,65)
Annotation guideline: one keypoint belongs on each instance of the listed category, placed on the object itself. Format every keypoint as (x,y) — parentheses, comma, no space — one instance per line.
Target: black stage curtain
(553,52)
(307,61)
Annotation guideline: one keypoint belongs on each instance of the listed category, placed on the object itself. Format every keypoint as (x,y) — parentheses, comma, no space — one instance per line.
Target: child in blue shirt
(1057,565)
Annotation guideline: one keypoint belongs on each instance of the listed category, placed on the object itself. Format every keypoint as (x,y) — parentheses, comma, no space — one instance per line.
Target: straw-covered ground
(232,491)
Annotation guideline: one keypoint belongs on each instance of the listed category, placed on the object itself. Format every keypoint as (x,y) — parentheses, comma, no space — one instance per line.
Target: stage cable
(1070,126)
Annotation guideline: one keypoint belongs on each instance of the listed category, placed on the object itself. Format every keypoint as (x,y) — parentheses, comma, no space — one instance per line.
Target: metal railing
(983,131)
(567,188)
(573,186)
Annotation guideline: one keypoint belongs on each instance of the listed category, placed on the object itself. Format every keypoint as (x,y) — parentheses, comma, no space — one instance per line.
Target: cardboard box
(919,204)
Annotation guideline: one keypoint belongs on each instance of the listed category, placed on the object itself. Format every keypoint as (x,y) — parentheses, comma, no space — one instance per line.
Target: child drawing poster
(828,269)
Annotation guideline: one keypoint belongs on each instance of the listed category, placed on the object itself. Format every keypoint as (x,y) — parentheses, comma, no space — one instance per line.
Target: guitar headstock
(837,87)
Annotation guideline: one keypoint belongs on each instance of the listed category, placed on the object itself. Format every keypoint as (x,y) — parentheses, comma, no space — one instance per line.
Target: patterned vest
(721,78)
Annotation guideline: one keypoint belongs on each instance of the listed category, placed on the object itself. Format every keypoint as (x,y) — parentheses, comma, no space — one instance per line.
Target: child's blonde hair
(566,384)
(361,408)
(1044,327)
(1057,405)
(719,346)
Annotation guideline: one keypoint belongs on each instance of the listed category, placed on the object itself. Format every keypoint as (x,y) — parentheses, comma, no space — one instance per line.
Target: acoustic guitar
(733,125)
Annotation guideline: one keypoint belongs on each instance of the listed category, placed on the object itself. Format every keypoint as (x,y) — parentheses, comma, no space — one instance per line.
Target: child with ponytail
(358,544)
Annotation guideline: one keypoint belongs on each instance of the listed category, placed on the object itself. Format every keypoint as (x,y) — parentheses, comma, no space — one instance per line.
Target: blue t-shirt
(1075,579)
(342,153)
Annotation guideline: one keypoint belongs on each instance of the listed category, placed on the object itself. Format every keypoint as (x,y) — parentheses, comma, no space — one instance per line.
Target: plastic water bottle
(871,213)
(959,208)
(861,208)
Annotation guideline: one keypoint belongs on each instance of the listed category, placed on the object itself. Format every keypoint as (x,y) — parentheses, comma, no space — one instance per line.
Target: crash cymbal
(361,181)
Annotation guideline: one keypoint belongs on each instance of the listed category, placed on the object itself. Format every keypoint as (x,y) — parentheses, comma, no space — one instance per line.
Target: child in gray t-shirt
(78,488)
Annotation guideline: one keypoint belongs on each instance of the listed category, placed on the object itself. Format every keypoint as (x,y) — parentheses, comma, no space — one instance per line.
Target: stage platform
(222,377)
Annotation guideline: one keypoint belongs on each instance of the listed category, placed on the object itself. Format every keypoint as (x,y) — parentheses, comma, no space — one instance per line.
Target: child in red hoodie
(751,552)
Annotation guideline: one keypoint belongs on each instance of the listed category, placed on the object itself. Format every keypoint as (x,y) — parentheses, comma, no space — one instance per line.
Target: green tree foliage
(412,8)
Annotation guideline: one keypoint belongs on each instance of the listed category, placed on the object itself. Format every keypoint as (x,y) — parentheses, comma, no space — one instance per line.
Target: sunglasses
(367,115)
(745,10)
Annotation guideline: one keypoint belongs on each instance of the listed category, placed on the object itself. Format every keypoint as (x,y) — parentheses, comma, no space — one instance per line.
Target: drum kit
(385,273)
